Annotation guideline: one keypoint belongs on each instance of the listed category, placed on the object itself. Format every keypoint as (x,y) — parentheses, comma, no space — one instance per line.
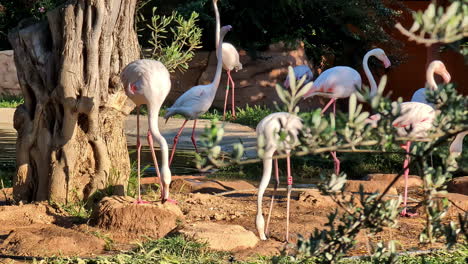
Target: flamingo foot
(169,200)
(404,213)
(141,201)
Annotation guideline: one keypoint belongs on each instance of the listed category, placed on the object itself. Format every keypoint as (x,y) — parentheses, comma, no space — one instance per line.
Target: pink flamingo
(434,67)
(197,100)
(230,61)
(268,130)
(148,82)
(341,82)
(416,119)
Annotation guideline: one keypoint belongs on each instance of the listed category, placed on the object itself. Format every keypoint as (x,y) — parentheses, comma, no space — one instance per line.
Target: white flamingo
(148,82)
(197,100)
(230,61)
(268,130)
(341,82)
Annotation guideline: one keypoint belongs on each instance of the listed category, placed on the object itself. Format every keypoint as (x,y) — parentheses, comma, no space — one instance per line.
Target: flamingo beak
(387,63)
(446,76)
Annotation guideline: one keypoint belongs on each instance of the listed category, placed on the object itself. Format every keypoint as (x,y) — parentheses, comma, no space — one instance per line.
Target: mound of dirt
(458,185)
(413,180)
(369,186)
(221,236)
(125,218)
(50,240)
(208,186)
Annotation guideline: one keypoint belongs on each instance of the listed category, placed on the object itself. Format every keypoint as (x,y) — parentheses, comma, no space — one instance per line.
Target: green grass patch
(10,101)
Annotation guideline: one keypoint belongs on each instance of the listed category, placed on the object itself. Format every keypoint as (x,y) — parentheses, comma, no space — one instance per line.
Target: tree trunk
(71,139)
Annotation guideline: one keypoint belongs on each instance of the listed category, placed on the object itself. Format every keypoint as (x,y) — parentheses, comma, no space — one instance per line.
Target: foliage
(10,101)
(354,132)
(436,25)
(173,39)
(13,11)
(328,28)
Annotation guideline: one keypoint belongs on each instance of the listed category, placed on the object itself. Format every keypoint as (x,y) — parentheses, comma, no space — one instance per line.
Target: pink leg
(155,160)
(176,139)
(328,105)
(232,97)
(273,195)
(194,141)
(226,97)
(406,147)
(139,200)
(290,181)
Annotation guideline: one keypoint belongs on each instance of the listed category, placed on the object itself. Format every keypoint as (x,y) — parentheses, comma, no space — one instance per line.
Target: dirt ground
(40,229)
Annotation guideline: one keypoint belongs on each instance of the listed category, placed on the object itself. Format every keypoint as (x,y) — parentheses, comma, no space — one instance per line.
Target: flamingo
(341,82)
(434,67)
(268,130)
(148,82)
(197,100)
(300,71)
(230,60)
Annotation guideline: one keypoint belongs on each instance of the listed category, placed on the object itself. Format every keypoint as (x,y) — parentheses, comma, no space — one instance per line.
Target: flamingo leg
(336,161)
(176,139)
(226,96)
(290,181)
(194,141)
(233,96)
(406,147)
(139,200)
(273,195)
(259,220)
(155,160)
(328,105)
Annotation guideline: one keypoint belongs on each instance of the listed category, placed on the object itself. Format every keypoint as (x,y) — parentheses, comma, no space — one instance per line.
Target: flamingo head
(226,29)
(380,54)
(441,70)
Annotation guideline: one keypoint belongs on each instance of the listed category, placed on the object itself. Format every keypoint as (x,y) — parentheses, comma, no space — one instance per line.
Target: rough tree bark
(71,139)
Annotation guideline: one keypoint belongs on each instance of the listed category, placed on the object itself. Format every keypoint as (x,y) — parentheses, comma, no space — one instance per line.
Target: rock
(9,83)
(458,203)
(369,186)
(121,214)
(254,84)
(208,186)
(46,241)
(458,185)
(413,180)
(221,237)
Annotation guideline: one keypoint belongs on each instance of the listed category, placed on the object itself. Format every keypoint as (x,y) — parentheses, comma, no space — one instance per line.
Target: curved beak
(446,76)
(387,63)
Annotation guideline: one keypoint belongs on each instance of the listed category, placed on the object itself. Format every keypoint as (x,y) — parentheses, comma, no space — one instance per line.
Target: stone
(413,180)
(369,186)
(208,186)
(9,83)
(121,214)
(458,185)
(221,237)
(254,84)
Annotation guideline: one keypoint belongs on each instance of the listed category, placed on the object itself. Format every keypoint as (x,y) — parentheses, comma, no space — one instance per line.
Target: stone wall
(8,78)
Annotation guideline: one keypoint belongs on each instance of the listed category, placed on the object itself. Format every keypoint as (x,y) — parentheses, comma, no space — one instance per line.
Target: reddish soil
(42,230)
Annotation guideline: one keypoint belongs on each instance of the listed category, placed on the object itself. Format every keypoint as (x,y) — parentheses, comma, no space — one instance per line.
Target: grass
(10,101)
(176,249)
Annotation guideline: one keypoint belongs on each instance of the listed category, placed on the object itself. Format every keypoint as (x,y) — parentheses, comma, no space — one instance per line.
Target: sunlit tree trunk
(71,139)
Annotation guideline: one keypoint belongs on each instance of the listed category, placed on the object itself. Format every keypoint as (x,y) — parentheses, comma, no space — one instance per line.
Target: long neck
(153,113)
(219,65)
(457,144)
(373,84)
(218,24)
(430,78)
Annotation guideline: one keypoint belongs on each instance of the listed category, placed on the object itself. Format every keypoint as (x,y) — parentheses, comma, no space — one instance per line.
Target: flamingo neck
(430,77)
(372,83)
(153,117)
(457,144)
(218,24)
(219,65)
